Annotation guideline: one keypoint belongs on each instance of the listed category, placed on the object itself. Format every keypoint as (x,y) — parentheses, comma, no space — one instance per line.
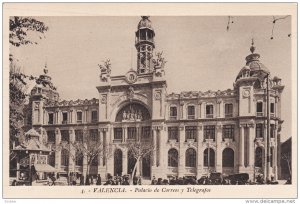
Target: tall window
(173,113)
(209,157)
(228,132)
(190,132)
(271,156)
(79,117)
(258,157)
(51,136)
(51,159)
(272,109)
(228,157)
(64,157)
(173,133)
(259,108)
(228,110)
(272,131)
(79,136)
(173,158)
(259,131)
(50,118)
(65,118)
(94,116)
(146,132)
(94,135)
(131,132)
(209,132)
(190,158)
(118,133)
(191,112)
(65,135)
(79,159)
(209,111)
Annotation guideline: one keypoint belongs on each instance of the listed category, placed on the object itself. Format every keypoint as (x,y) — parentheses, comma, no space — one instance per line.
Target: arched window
(228,158)
(79,159)
(190,158)
(209,157)
(258,157)
(173,158)
(64,157)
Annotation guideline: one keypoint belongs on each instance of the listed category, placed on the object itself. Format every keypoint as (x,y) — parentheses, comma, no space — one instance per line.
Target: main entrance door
(118,162)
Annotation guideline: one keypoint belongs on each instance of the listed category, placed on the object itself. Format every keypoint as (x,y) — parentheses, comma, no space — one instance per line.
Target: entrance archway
(118,162)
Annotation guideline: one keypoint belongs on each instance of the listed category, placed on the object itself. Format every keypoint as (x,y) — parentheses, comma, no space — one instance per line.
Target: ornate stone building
(190,133)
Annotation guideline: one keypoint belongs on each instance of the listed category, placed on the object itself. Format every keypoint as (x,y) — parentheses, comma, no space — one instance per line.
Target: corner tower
(144,43)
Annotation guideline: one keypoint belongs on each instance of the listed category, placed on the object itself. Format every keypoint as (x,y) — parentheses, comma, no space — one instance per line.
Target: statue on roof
(159,64)
(105,70)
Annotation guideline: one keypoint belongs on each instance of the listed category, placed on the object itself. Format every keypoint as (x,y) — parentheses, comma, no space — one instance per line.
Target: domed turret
(145,23)
(253,68)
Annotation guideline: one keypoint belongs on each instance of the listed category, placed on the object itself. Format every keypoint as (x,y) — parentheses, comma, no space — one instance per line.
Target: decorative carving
(246,93)
(57,131)
(36,105)
(103,98)
(157,95)
(159,64)
(105,70)
(131,77)
(130,93)
(78,102)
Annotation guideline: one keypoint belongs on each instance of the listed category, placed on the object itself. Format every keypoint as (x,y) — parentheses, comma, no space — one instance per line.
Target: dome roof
(145,23)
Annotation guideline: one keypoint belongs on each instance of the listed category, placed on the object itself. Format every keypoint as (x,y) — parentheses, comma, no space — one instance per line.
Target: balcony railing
(228,115)
(209,115)
(173,117)
(259,114)
(117,140)
(64,122)
(191,117)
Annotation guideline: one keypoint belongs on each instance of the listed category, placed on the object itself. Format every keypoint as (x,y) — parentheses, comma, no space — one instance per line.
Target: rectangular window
(259,131)
(131,133)
(146,132)
(50,118)
(65,118)
(272,131)
(191,112)
(79,136)
(209,132)
(51,136)
(173,113)
(259,108)
(209,111)
(79,117)
(118,133)
(94,135)
(65,135)
(272,109)
(190,132)
(173,133)
(228,110)
(228,132)
(94,116)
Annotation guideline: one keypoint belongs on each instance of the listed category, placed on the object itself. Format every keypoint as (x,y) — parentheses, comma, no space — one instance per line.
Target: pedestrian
(98,182)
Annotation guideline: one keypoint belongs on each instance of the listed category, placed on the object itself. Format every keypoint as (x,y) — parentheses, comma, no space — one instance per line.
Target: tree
(19,29)
(139,150)
(287,158)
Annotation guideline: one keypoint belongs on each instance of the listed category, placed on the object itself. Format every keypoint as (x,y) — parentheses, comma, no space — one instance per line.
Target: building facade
(190,133)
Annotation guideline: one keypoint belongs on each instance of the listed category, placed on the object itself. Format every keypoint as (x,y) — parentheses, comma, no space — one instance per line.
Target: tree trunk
(135,167)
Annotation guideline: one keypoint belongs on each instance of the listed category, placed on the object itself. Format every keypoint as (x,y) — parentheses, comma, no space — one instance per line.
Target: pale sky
(201,55)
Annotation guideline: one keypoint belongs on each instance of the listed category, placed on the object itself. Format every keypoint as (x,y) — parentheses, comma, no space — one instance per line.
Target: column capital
(57,131)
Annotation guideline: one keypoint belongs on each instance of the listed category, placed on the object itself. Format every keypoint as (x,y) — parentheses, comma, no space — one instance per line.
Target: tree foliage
(19,28)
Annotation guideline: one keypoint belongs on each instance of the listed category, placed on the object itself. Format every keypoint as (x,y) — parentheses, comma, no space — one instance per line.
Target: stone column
(124,161)
(181,116)
(85,159)
(265,150)
(199,151)
(219,109)
(241,153)
(219,148)
(251,146)
(154,135)
(275,164)
(181,163)
(101,153)
(57,151)
(72,154)
(161,147)
(203,110)
(200,110)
